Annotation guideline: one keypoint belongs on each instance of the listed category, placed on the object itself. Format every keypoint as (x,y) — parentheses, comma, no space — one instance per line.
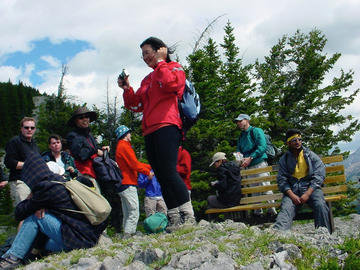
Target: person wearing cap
(62,158)
(227,185)
(130,167)
(82,144)
(300,177)
(252,145)
(17,150)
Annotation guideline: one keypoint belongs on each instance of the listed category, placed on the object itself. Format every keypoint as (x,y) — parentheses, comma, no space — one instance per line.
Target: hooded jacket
(158,97)
(314,179)
(228,184)
(77,232)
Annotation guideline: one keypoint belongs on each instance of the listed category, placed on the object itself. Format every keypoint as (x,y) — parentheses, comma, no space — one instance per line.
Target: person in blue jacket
(300,177)
(153,201)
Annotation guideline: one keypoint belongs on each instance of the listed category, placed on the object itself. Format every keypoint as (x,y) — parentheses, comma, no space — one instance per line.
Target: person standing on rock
(301,174)
(17,150)
(157,98)
(130,166)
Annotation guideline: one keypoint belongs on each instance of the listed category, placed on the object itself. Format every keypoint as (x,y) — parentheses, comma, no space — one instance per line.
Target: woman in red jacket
(157,98)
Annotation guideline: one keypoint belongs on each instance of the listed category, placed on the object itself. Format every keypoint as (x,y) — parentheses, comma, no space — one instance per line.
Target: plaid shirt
(77,232)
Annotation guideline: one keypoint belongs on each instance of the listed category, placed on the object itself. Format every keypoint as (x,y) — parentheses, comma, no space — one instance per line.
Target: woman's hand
(124,83)
(161,54)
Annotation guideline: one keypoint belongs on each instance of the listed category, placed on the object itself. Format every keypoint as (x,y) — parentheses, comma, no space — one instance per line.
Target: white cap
(216,157)
(55,168)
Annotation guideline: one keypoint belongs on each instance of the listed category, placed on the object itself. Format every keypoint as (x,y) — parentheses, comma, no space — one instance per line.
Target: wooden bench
(334,189)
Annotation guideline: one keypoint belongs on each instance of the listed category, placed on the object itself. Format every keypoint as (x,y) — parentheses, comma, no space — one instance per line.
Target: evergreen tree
(16,102)
(294,93)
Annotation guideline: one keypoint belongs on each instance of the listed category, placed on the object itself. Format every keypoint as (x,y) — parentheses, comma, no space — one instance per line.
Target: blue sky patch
(63,52)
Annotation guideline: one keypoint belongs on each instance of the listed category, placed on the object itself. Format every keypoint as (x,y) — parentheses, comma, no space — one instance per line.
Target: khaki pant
(153,205)
(19,191)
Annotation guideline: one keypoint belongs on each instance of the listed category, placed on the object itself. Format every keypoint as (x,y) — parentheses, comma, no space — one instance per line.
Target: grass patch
(101,254)
(76,256)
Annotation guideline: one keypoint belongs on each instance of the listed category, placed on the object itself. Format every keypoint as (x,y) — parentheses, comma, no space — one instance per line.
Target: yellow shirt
(301,168)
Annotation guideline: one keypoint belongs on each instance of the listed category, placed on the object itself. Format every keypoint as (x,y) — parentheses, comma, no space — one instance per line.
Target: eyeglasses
(26,127)
(296,139)
(83,116)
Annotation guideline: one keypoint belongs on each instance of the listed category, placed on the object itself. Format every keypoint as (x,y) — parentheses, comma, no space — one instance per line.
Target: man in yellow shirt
(301,174)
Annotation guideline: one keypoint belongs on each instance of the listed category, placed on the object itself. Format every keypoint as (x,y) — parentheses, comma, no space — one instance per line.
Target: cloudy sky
(96,39)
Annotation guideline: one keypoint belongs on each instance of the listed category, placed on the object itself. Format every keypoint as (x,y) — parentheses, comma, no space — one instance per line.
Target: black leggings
(162,149)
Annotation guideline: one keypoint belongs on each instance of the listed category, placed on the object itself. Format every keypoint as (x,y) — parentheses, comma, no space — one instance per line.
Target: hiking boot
(188,212)
(9,263)
(174,220)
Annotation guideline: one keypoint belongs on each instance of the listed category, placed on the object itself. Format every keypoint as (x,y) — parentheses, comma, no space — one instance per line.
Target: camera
(124,74)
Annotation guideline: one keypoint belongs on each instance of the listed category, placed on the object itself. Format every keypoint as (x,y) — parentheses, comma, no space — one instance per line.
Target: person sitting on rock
(48,210)
(227,185)
(301,174)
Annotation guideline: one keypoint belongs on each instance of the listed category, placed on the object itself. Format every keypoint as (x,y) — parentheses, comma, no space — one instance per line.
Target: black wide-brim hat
(80,111)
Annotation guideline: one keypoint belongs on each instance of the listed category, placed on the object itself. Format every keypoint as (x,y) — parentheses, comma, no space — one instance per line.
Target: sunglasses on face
(83,116)
(296,139)
(26,127)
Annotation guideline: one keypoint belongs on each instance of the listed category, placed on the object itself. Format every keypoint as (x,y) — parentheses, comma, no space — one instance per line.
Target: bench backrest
(334,184)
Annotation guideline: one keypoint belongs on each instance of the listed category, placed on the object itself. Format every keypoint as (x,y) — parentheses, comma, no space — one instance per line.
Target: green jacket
(249,148)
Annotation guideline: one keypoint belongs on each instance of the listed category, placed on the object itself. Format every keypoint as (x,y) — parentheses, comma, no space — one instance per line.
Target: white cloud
(115,29)
(9,73)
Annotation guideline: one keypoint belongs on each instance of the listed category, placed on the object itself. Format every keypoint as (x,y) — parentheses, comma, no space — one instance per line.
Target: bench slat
(332,159)
(334,189)
(257,189)
(248,181)
(261,198)
(256,171)
(336,168)
(335,179)
(330,198)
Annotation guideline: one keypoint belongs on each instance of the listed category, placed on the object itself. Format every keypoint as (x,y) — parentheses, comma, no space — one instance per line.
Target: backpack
(107,170)
(155,223)
(271,151)
(90,202)
(189,106)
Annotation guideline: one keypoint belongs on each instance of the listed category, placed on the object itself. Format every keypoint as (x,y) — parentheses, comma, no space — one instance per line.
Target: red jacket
(128,163)
(158,96)
(183,166)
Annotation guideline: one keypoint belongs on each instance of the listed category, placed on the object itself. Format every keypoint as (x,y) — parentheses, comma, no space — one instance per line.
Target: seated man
(48,210)
(301,174)
(228,184)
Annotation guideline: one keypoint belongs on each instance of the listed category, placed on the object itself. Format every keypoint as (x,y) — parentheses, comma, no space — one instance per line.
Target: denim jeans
(316,202)
(49,225)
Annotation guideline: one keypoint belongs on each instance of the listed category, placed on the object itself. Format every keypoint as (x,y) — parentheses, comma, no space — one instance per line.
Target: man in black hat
(301,174)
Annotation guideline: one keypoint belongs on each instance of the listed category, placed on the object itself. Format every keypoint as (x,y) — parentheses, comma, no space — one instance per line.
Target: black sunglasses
(26,127)
(83,116)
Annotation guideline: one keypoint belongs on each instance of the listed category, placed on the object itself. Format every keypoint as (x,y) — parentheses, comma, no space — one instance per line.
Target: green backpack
(155,223)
